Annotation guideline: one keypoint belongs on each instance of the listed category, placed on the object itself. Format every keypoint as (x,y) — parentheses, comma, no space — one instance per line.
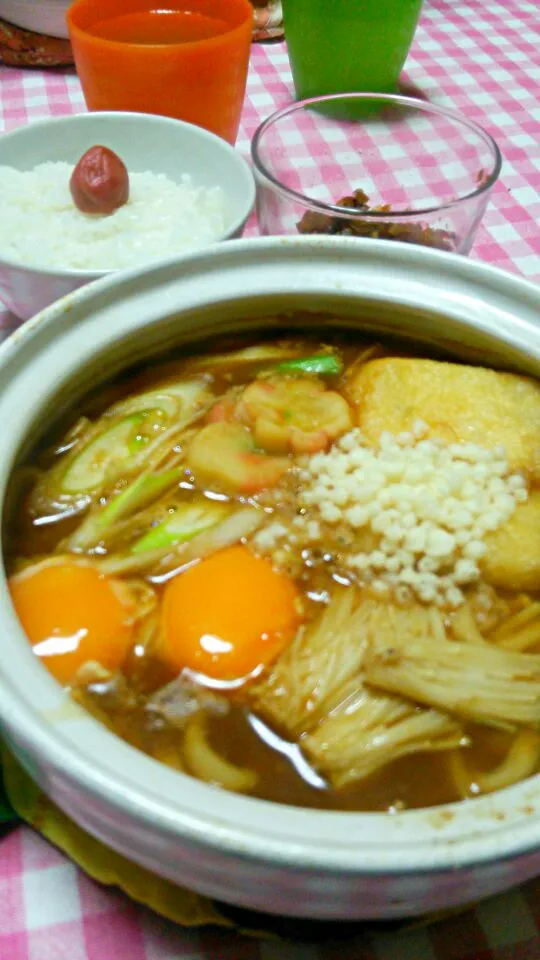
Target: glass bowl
(374,165)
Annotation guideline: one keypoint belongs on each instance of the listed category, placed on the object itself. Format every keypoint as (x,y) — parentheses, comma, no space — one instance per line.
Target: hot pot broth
(305,568)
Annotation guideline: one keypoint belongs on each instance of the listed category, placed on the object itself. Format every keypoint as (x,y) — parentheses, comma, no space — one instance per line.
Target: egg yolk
(71,614)
(227,615)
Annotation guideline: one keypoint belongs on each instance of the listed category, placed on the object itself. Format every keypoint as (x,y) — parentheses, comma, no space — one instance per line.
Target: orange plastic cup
(141,56)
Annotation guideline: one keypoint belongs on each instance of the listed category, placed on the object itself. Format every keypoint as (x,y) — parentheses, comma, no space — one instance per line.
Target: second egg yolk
(228,615)
(71,614)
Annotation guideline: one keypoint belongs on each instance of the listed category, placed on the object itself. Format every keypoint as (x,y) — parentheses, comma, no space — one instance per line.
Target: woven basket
(22,48)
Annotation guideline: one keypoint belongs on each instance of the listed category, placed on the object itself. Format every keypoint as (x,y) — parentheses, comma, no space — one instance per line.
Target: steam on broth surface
(306,569)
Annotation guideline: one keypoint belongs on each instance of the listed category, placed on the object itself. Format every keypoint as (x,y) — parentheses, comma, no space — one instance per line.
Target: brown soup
(305,568)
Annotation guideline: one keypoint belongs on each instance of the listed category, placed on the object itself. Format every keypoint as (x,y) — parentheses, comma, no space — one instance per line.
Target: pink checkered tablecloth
(481,57)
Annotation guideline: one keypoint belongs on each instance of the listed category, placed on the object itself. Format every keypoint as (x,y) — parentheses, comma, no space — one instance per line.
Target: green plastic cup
(339,46)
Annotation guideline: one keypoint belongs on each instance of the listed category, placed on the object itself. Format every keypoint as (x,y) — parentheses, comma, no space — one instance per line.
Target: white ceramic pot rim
(52,126)
(492,828)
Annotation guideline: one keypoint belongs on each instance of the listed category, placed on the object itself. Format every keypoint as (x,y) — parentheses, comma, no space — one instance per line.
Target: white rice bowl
(42,227)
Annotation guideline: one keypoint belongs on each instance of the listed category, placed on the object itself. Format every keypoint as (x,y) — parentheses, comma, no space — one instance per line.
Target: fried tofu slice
(459,403)
(513,557)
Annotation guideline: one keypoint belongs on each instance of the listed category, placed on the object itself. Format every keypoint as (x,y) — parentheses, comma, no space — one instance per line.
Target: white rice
(42,227)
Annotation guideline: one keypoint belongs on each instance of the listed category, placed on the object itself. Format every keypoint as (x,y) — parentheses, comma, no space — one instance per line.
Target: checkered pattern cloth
(480,57)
